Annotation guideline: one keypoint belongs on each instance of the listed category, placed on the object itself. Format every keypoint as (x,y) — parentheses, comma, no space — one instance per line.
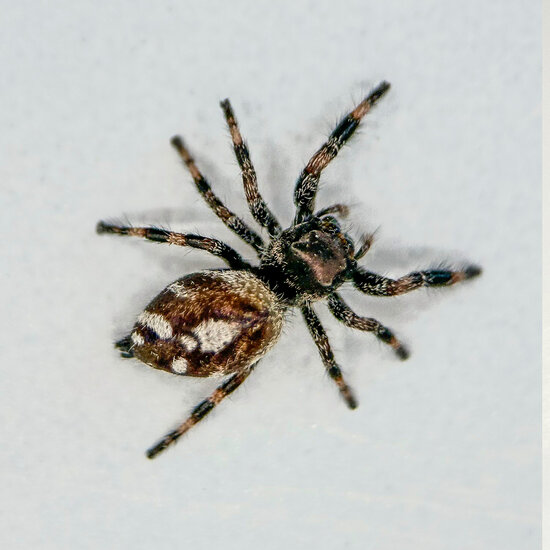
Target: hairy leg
(256,203)
(321,340)
(341,210)
(201,410)
(232,221)
(215,247)
(306,186)
(377,285)
(364,247)
(346,315)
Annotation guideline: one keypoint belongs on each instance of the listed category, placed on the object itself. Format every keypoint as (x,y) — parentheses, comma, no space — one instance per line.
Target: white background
(444,450)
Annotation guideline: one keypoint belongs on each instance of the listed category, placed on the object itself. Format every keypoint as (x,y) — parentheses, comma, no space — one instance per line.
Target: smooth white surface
(444,450)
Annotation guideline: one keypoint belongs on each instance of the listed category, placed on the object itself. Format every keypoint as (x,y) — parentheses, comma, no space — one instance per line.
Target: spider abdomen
(208,323)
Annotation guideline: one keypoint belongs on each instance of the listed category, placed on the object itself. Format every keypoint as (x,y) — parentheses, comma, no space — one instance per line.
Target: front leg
(215,247)
(346,315)
(321,340)
(377,285)
(308,181)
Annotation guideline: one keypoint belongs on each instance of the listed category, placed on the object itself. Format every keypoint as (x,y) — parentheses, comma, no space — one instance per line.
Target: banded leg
(346,315)
(200,411)
(376,285)
(232,221)
(306,186)
(321,340)
(257,205)
(215,247)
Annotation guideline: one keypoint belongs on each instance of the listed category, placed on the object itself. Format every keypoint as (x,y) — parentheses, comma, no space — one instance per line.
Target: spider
(222,321)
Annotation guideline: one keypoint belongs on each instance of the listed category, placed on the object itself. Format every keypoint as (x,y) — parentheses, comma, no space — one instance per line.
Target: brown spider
(222,321)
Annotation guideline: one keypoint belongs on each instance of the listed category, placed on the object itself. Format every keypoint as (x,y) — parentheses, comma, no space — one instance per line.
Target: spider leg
(346,315)
(321,340)
(215,247)
(232,221)
(365,245)
(256,203)
(340,209)
(306,186)
(377,285)
(201,410)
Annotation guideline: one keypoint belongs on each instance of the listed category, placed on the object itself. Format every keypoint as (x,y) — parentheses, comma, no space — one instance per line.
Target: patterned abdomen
(208,323)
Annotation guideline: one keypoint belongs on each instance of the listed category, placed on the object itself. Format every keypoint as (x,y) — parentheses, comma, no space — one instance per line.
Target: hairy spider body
(209,323)
(308,261)
(221,322)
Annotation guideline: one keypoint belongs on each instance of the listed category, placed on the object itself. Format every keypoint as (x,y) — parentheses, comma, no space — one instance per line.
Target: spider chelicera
(221,322)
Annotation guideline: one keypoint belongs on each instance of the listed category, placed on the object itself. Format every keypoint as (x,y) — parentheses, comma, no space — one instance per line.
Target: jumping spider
(222,321)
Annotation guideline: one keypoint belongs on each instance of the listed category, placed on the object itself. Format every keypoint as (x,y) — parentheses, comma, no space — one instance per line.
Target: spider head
(313,258)
(322,255)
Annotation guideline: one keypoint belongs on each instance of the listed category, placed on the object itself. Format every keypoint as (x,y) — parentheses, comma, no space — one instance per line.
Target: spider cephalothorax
(308,261)
(221,322)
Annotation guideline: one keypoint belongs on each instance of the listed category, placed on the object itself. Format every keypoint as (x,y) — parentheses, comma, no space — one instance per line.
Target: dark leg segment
(231,220)
(257,205)
(376,285)
(200,411)
(321,340)
(215,247)
(306,186)
(344,313)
